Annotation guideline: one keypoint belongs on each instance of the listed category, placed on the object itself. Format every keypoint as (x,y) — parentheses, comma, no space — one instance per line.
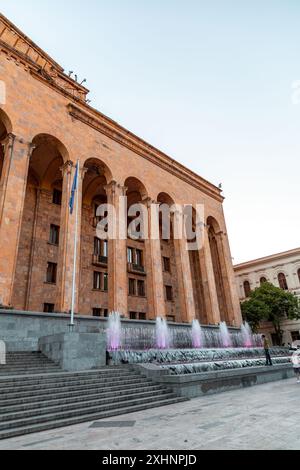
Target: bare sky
(207,82)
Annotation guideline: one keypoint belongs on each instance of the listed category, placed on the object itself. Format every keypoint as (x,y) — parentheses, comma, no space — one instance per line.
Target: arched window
(298,272)
(282,281)
(247,288)
(262,280)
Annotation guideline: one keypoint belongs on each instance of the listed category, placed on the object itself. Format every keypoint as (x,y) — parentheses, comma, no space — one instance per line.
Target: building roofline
(274,257)
(87,113)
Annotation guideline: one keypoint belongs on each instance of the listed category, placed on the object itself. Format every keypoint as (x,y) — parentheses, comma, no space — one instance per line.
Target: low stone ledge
(75,351)
(152,371)
(205,383)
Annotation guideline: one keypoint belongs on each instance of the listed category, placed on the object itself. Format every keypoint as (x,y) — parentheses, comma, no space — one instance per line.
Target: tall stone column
(13,181)
(66,247)
(8,149)
(185,283)
(232,302)
(155,282)
(117,251)
(209,283)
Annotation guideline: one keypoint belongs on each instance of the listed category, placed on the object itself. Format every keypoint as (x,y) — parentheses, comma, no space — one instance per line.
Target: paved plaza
(262,417)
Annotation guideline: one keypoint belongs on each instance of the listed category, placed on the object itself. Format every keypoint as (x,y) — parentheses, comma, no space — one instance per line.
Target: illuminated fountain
(114,332)
(197,335)
(246,335)
(225,338)
(162,334)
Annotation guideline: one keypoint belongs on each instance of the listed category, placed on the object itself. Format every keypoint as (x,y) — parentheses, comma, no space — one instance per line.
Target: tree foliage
(270,303)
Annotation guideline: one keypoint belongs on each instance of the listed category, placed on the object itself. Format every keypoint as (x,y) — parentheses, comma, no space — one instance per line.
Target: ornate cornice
(18,47)
(114,131)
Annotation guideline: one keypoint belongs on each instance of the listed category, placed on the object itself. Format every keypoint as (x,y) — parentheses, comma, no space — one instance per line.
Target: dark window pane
(142,316)
(97,246)
(51,273)
(169,293)
(132,315)
(105,282)
(54,234)
(282,281)
(139,257)
(247,288)
(48,308)
(131,287)
(57,197)
(141,288)
(166,262)
(97,280)
(96,312)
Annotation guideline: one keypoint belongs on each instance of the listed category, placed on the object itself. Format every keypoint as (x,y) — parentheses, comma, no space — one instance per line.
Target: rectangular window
(57,195)
(132,315)
(166,264)
(139,257)
(48,308)
(97,246)
(142,316)
(54,234)
(51,273)
(96,312)
(105,312)
(295,335)
(130,255)
(131,287)
(141,288)
(97,280)
(105,282)
(169,293)
(105,248)
(171,318)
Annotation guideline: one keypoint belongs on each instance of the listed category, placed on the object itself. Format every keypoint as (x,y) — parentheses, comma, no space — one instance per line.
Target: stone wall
(22,330)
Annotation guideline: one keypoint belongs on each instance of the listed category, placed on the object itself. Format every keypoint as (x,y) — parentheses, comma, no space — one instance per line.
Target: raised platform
(207,383)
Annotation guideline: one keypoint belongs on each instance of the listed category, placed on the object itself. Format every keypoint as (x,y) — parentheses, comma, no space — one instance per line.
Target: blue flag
(74,189)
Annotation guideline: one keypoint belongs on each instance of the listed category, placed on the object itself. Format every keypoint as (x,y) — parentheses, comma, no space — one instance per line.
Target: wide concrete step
(35,418)
(42,408)
(105,372)
(105,383)
(30,371)
(78,393)
(98,388)
(20,430)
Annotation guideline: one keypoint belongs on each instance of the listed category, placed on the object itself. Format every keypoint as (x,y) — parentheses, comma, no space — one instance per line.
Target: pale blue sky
(208,82)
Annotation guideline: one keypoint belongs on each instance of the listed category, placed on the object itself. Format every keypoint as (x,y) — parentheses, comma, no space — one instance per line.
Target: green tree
(270,303)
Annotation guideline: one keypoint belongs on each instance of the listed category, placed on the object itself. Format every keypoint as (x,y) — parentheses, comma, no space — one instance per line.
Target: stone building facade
(46,125)
(282,270)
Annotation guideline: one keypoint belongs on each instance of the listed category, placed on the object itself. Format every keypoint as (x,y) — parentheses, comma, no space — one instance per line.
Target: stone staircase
(40,397)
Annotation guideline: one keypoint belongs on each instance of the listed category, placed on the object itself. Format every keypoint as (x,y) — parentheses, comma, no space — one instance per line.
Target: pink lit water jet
(114,332)
(162,334)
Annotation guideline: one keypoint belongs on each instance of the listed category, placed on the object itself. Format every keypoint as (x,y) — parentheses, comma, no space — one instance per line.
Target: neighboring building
(282,270)
(45,126)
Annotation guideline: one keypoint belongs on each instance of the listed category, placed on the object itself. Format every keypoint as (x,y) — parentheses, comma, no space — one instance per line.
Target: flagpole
(75,251)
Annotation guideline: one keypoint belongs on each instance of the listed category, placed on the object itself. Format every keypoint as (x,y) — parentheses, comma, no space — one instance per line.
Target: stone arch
(139,277)
(219,268)
(247,288)
(93,298)
(6,123)
(37,267)
(136,190)
(282,280)
(5,130)
(171,266)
